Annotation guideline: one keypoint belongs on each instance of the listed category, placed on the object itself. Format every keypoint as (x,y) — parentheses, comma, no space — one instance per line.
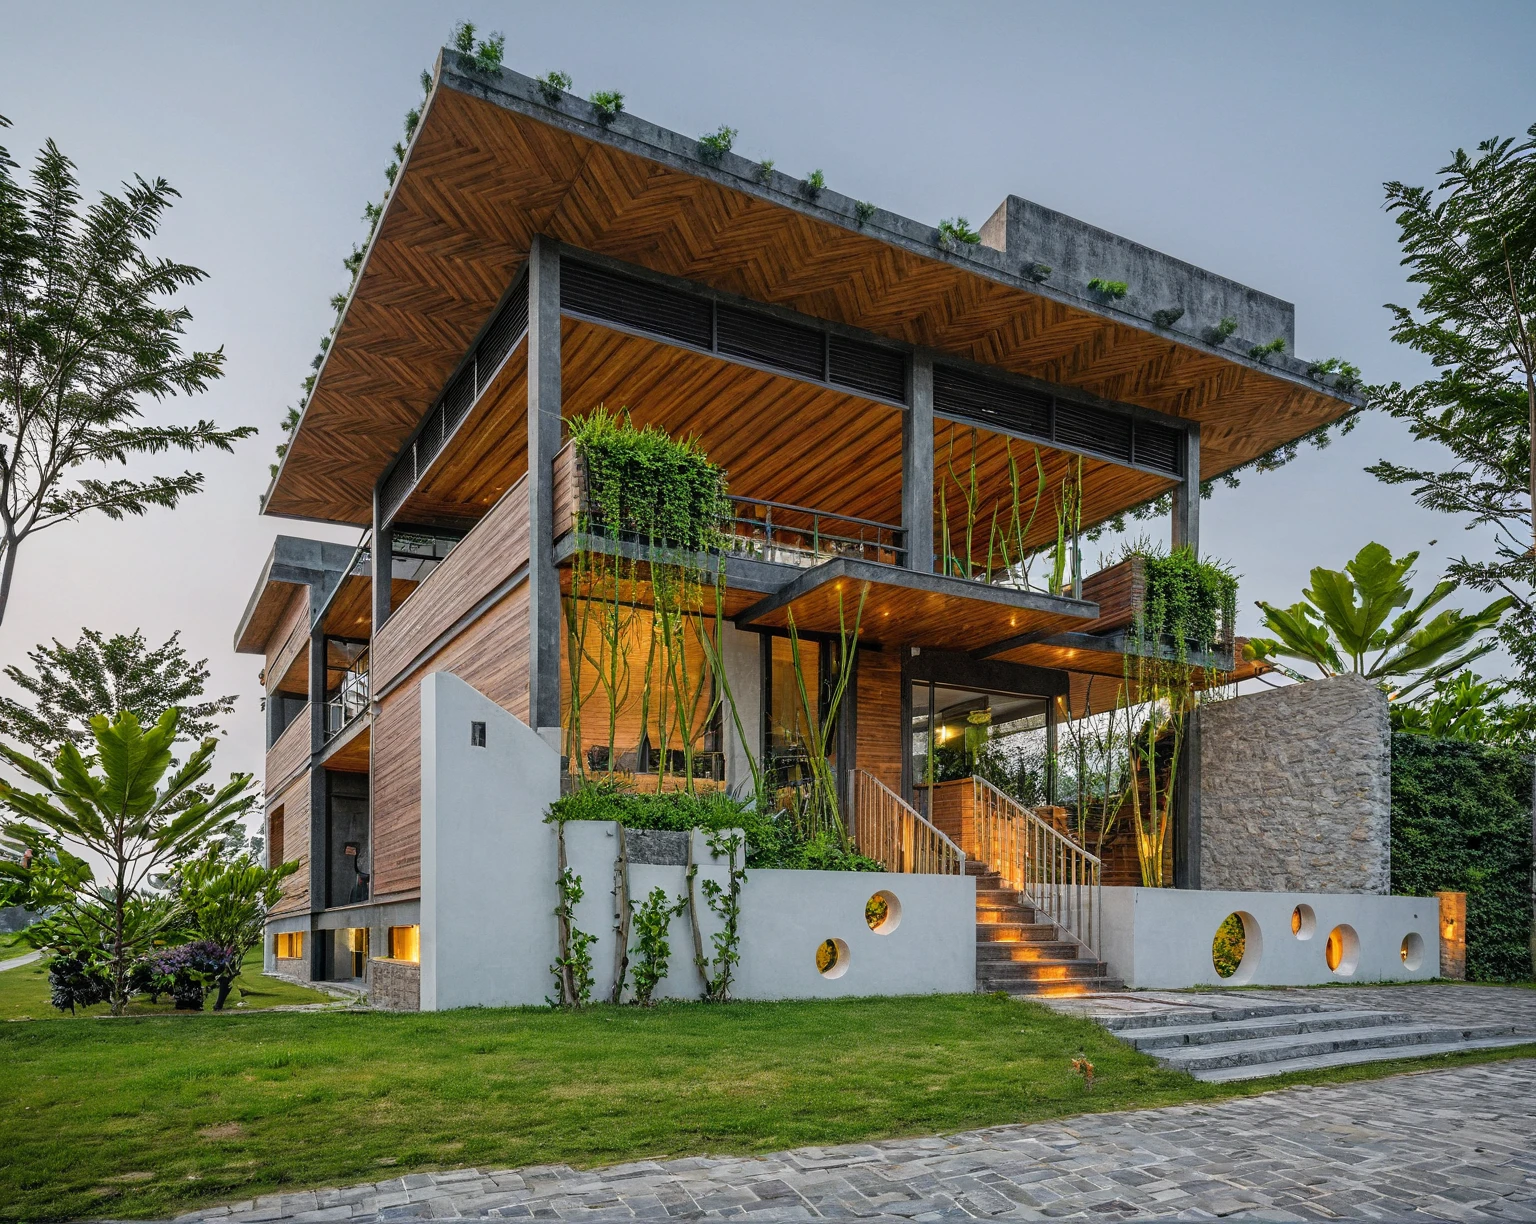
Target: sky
(1251,140)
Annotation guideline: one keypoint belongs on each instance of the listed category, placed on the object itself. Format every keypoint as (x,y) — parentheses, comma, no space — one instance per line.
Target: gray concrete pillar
(741,653)
(544,437)
(1186,495)
(381,564)
(917,464)
(319,855)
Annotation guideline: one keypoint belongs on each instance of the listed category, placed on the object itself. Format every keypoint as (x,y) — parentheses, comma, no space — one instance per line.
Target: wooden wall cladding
(1119,590)
(879,731)
(482,561)
(287,662)
(290,753)
(294,802)
(492,655)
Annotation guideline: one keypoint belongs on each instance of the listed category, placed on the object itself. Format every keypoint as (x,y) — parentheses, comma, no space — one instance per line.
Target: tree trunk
(225,985)
(8,567)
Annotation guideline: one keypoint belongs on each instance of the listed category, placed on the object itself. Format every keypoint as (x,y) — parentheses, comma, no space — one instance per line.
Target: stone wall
(295,967)
(1296,790)
(394,985)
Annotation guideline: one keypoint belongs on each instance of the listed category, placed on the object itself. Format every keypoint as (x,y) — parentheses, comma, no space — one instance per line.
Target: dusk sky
(1251,140)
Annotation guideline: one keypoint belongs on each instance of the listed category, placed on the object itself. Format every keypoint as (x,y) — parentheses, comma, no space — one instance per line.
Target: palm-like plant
(112,806)
(1346,625)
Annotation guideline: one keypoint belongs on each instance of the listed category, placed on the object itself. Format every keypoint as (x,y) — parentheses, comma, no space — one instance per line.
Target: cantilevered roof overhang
(494,163)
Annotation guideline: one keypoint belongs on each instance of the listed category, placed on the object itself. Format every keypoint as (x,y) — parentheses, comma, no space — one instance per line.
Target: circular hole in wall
(1412,950)
(1236,949)
(883,912)
(832,958)
(1343,950)
(1303,922)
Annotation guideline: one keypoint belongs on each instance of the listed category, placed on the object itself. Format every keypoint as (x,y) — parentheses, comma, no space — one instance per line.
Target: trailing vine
(725,903)
(652,924)
(573,961)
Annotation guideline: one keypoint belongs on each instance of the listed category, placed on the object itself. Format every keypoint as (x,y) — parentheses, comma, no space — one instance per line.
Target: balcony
(349,701)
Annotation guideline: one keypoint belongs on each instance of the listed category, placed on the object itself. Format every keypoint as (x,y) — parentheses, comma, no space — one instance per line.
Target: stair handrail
(1060,878)
(891,831)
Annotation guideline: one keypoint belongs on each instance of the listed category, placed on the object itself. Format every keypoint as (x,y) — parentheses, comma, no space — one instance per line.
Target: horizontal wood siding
(1119,591)
(482,560)
(289,637)
(878,747)
(952,807)
(568,488)
(294,802)
(492,655)
(291,751)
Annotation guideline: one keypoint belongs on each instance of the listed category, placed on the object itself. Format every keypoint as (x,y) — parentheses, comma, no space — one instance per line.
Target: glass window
(289,945)
(791,726)
(1002,737)
(405,943)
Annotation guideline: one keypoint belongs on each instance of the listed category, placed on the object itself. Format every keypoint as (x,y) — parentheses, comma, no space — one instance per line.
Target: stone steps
(1020,955)
(1247,1041)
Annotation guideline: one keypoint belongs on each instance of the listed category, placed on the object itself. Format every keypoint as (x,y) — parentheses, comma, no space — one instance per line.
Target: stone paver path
(1430,1002)
(16,962)
(1442,1145)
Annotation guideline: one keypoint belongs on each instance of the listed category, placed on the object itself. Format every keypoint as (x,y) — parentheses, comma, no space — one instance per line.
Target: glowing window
(405,943)
(289,945)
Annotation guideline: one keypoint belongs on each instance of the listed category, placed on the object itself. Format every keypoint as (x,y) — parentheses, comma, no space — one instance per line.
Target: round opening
(1236,949)
(832,958)
(883,912)
(1412,950)
(1303,922)
(1343,950)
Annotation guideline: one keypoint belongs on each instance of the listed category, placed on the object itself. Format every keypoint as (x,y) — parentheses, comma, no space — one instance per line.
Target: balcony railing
(797,535)
(350,701)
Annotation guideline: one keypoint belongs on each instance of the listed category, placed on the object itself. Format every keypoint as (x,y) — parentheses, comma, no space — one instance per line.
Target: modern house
(872,386)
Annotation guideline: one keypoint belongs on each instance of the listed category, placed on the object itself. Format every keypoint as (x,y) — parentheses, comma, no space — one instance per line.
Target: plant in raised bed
(863,210)
(1114,290)
(1345,376)
(1219,333)
(815,183)
(1167,318)
(715,145)
(554,84)
(1263,352)
(957,229)
(607,103)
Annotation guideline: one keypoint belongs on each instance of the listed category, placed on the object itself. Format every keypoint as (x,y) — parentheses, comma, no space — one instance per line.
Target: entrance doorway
(958,730)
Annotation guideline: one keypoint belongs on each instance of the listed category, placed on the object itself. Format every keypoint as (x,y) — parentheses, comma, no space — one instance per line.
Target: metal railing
(350,701)
(1056,875)
(888,830)
(798,535)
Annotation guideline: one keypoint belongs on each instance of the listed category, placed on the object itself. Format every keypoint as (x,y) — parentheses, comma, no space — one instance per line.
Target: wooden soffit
(492,164)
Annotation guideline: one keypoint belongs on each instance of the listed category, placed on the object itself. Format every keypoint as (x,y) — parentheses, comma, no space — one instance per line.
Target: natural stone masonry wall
(1296,789)
(394,985)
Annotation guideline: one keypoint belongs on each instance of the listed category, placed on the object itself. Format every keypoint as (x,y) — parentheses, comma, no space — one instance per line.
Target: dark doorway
(346,821)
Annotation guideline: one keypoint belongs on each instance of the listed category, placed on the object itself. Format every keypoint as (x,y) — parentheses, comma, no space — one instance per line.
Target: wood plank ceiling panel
(481,180)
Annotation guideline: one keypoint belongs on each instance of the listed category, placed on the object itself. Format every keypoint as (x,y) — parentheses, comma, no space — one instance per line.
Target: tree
(1468,708)
(85,339)
(1342,625)
(69,684)
(1471,245)
(113,808)
(225,901)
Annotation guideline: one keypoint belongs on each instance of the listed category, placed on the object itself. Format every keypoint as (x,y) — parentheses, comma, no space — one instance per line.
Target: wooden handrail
(890,831)
(1056,875)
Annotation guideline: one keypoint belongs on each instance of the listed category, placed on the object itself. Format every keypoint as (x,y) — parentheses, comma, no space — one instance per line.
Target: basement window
(405,944)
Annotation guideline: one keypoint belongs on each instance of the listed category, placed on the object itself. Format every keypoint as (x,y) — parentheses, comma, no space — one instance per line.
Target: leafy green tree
(70,684)
(225,901)
(85,340)
(1342,625)
(1466,707)
(114,809)
(1470,244)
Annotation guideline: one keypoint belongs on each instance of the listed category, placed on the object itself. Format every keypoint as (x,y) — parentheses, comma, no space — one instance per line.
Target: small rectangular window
(405,944)
(477,735)
(289,945)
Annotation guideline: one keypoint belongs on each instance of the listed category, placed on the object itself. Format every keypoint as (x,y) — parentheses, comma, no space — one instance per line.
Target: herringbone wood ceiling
(481,181)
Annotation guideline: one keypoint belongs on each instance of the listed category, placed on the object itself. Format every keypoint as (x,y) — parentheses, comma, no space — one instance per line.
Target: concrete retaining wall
(1160,938)
(1296,789)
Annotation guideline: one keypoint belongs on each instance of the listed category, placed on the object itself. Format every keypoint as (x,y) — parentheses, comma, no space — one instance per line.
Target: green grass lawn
(149,1116)
(24,994)
(11,945)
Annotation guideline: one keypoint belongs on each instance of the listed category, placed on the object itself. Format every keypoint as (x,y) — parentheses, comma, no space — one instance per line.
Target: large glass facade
(1004,737)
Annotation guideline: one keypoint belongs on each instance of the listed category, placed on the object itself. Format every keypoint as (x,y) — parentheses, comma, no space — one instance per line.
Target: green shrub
(1112,289)
(1461,822)
(1190,600)
(1228,947)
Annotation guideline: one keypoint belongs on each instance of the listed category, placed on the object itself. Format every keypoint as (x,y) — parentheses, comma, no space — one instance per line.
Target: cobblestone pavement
(1431,1002)
(1436,1145)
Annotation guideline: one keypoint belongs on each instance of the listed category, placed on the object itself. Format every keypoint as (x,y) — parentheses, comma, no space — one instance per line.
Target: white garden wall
(488,933)
(1160,938)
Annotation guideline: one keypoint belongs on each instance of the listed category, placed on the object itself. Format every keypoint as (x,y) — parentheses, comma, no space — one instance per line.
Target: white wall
(1160,938)
(487,857)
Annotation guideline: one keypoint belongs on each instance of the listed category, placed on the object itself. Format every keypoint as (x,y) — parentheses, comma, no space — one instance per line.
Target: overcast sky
(1250,139)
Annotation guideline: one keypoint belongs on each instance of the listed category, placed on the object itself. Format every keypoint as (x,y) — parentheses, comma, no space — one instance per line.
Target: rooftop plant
(765,170)
(485,52)
(608,103)
(1037,272)
(1167,318)
(863,210)
(815,183)
(1263,352)
(715,145)
(1113,289)
(1190,601)
(1346,377)
(957,229)
(553,84)
(1220,332)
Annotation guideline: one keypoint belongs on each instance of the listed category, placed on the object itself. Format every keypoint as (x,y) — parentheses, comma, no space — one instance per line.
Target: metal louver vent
(1160,447)
(634,303)
(868,368)
(987,401)
(770,341)
(1088,428)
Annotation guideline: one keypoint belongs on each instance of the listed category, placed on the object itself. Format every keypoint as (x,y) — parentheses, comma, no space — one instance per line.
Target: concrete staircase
(1018,953)
(1248,1040)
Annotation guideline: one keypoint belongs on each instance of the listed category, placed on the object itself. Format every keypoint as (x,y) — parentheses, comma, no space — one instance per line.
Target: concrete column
(543,445)
(318,849)
(1186,809)
(741,653)
(1186,495)
(381,564)
(917,464)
